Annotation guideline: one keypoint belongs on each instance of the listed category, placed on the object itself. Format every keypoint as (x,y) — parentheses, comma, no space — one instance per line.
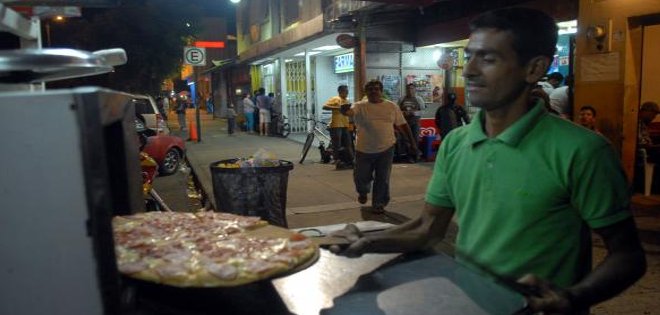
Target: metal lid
(43,65)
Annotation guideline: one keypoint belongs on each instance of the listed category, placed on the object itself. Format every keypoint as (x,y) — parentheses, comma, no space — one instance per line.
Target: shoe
(362,198)
(378,209)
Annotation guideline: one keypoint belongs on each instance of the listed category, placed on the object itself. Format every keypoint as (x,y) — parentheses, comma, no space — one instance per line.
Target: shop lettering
(344,63)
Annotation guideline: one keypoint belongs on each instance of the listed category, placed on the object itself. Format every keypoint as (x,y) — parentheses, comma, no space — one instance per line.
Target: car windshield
(142,107)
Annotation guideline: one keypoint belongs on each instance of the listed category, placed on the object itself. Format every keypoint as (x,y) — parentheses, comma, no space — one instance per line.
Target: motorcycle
(149,168)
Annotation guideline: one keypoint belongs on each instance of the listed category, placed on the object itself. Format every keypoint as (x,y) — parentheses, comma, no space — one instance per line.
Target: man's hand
(355,245)
(552,300)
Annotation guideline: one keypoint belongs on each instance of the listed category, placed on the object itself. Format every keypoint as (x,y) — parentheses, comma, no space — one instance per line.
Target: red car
(168,151)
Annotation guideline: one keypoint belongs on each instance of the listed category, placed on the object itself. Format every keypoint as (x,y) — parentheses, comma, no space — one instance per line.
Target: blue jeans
(375,167)
(249,121)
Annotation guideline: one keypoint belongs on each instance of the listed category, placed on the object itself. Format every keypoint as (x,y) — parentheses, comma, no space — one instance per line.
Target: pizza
(204,249)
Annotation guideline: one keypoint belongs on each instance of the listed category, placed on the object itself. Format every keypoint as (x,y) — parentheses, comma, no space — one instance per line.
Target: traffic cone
(192,131)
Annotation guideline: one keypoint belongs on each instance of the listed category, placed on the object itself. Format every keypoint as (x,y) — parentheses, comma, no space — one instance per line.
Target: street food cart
(70,163)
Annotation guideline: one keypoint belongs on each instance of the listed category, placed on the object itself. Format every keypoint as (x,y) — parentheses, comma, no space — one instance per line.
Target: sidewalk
(320,195)
(317,194)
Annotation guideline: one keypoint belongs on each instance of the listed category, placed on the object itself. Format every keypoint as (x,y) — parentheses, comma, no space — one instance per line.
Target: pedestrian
(450,116)
(552,82)
(412,106)
(231,119)
(181,114)
(264,103)
(587,118)
(375,120)
(525,186)
(161,107)
(559,100)
(248,110)
(339,133)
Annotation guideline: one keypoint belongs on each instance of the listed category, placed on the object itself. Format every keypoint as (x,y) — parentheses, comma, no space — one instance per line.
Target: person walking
(248,110)
(339,123)
(375,120)
(450,116)
(525,197)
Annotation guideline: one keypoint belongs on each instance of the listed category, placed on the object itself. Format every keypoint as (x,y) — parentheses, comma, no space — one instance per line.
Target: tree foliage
(152,32)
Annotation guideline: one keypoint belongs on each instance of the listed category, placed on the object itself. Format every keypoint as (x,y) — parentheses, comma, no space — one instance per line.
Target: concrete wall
(609,79)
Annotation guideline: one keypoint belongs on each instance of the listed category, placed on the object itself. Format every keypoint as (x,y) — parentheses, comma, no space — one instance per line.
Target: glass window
(290,12)
(143,107)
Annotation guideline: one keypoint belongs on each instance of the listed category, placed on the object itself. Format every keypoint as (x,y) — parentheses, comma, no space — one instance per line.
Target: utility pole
(360,58)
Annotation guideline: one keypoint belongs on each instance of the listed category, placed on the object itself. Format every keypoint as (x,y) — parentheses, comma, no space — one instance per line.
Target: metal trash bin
(252,191)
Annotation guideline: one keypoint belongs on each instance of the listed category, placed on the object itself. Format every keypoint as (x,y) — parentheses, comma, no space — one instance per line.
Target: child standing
(231,119)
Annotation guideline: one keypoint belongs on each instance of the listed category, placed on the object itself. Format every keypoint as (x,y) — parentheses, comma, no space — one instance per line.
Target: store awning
(219,65)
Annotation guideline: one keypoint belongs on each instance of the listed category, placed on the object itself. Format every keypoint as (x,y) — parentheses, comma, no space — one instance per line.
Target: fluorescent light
(329,47)
(311,53)
(288,60)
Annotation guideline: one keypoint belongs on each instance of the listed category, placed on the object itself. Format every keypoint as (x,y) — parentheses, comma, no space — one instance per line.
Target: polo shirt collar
(514,133)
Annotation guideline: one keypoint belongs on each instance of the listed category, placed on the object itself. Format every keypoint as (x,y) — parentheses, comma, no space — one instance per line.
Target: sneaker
(362,198)
(378,209)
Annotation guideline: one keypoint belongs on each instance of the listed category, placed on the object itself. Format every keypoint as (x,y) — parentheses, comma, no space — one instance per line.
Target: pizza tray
(276,231)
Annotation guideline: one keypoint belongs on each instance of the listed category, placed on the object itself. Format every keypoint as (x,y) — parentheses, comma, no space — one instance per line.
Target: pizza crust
(205,249)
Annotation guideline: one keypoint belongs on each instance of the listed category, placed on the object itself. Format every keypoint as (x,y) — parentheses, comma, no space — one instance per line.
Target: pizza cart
(71,164)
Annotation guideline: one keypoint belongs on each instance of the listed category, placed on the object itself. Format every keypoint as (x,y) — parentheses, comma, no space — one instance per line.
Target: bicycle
(279,127)
(326,152)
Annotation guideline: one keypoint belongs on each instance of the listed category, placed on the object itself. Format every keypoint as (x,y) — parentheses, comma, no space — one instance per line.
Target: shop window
(290,12)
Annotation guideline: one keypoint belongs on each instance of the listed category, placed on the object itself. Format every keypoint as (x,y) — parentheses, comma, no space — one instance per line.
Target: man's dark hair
(556,76)
(262,91)
(372,83)
(410,84)
(590,108)
(534,32)
(342,87)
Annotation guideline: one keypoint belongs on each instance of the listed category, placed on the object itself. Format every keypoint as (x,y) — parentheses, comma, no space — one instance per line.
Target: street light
(235,1)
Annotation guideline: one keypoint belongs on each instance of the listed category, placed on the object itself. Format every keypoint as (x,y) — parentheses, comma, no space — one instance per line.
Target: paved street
(320,195)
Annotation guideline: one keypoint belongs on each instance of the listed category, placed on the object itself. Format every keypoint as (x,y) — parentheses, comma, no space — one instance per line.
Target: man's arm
(421,233)
(625,263)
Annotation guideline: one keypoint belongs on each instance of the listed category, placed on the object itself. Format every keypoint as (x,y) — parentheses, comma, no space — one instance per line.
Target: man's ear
(536,68)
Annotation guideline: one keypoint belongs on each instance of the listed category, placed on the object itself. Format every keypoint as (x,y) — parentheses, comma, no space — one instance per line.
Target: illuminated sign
(344,63)
(207,44)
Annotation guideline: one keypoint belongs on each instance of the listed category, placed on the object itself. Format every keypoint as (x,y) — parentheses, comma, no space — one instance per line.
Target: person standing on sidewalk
(375,120)
(340,137)
(231,119)
(264,103)
(412,106)
(181,114)
(248,110)
(527,187)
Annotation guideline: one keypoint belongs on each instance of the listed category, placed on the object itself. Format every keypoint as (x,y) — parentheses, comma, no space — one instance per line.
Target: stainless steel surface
(43,65)
(315,288)
(393,284)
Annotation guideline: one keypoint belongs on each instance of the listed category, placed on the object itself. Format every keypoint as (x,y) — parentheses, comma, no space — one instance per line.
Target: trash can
(252,191)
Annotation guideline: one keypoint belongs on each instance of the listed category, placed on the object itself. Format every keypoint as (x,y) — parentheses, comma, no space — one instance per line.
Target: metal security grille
(296,95)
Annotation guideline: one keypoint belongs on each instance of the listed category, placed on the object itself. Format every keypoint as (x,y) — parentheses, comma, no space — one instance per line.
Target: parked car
(168,151)
(146,106)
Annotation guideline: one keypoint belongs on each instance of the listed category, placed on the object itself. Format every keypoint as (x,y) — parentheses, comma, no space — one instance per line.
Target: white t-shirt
(375,125)
(559,100)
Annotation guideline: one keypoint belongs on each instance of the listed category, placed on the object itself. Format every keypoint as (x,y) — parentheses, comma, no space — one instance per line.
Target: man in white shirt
(375,119)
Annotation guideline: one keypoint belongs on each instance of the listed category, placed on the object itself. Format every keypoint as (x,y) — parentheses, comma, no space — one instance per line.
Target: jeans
(249,121)
(375,167)
(413,123)
(341,140)
(182,120)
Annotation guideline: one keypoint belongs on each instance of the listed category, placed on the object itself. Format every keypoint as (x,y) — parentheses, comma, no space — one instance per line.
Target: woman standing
(248,110)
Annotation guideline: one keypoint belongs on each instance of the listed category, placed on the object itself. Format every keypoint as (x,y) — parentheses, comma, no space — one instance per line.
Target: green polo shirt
(525,199)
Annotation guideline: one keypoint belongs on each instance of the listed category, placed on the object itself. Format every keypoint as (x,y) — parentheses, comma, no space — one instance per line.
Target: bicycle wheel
(286,130)
(306,146)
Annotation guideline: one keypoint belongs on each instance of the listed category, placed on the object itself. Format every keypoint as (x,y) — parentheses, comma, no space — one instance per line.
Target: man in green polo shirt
(526,186)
